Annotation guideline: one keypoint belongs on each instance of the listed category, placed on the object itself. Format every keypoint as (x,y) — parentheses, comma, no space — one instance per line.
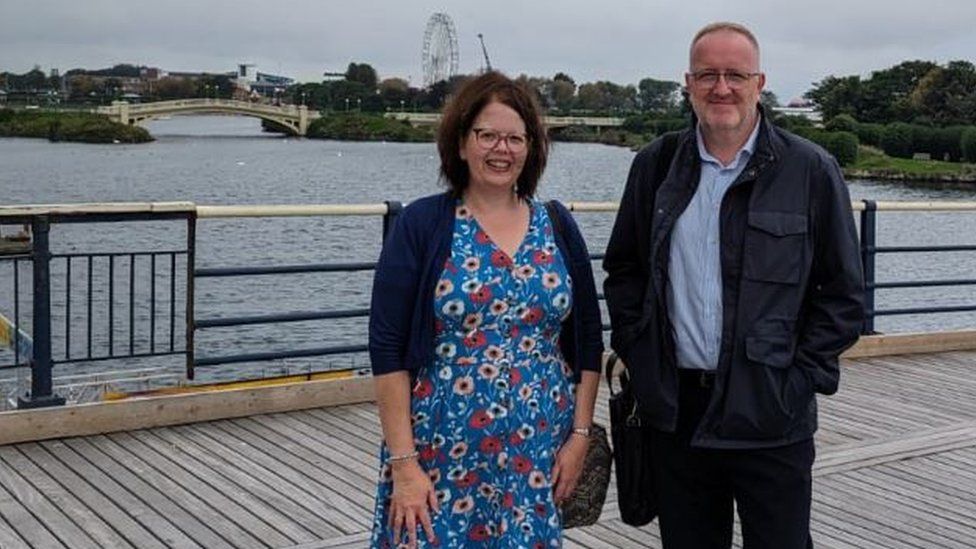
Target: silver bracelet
(581,431)
(402,457)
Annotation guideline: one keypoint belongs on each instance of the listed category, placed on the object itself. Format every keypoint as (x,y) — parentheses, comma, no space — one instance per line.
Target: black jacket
(792,288)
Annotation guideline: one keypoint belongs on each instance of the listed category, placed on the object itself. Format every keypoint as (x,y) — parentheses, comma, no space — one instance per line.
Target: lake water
(228,160)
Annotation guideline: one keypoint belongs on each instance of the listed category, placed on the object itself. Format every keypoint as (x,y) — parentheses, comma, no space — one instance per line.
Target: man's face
(726,104)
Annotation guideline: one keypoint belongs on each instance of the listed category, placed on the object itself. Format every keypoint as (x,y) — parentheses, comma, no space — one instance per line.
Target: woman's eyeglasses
(489,139)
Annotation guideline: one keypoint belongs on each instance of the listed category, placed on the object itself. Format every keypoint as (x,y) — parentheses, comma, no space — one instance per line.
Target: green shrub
(897,140)
(841,123)
(968,144)
(844,146)
(869,133)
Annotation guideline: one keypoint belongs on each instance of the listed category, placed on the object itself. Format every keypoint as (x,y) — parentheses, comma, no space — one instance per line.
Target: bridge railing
(176,271)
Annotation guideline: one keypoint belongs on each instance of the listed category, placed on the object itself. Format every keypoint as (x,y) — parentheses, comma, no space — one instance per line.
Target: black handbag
(584,505)
(631,453)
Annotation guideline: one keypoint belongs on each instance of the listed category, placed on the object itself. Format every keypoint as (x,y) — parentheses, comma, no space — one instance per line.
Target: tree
(886,95)
(362,73)
(947,95)
(658,96)
(768,99)
(562,94)
(837,96)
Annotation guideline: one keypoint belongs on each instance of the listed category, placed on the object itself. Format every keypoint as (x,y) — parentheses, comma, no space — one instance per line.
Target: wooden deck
(896,468)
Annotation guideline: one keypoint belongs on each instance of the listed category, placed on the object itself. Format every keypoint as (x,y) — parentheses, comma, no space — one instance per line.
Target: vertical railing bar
(111,305)
(152,303)
(41,385)
(172,302)
(89,299)
(17,310)
(67,308)
(869,242)
(132,304)
(191,239)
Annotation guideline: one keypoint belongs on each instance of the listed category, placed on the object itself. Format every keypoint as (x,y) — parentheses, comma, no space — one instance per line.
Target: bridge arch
(295,119)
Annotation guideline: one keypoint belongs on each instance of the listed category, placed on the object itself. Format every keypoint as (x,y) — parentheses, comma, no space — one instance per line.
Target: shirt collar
(743,155)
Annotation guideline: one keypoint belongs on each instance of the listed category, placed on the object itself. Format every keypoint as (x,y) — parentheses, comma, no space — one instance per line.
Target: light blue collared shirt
(695,270)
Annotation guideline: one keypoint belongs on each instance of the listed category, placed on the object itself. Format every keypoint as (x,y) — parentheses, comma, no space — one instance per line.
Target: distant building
(809,112)
(256,83)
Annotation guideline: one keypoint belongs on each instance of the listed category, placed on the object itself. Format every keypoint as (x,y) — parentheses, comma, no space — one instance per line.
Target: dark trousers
(696,487)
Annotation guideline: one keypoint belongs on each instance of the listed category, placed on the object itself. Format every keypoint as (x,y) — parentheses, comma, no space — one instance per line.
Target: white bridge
(295,118)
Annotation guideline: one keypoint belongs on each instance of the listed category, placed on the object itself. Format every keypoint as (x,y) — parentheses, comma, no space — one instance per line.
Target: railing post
(191,242)
(869,243)
(41,391)
(393,209)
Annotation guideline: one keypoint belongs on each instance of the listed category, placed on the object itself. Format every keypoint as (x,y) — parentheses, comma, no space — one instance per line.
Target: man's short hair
(723,26)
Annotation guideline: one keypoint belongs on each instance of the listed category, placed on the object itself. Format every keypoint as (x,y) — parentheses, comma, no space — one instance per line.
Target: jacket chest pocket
(774,247)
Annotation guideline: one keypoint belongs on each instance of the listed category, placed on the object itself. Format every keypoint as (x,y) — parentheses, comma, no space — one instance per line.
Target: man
(734,282)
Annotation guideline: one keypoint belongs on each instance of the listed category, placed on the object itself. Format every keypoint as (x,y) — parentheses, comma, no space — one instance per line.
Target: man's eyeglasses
(733,79)
(489,139)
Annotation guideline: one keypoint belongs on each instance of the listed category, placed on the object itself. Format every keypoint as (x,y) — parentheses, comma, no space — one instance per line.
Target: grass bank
(873,164)
(356,126)
(69,126)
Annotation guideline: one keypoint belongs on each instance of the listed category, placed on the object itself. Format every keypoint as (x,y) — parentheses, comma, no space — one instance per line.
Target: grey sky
(618,40)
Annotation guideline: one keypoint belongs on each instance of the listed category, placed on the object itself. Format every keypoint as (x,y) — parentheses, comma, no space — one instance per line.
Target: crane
(485,52)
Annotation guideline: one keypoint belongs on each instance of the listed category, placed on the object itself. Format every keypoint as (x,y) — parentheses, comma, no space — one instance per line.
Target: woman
(484,339)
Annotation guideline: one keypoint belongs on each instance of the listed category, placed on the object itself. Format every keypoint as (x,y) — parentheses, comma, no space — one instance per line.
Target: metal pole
(392,211)
(869,243)
(41,393)
(191,239)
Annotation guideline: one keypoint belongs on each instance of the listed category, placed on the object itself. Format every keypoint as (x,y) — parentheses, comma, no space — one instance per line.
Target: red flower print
(541,257)
(542,424)
(500,259)
(521,465)
(540,509)
(468,480)
(508,500)
(532,316)
(476,338)
(480,419)
(423,389)
(490,445)
(478,532)
(481,295)
(449,267)
(428,453)
(515,439)
(481,237)
(562,403)
(515,375)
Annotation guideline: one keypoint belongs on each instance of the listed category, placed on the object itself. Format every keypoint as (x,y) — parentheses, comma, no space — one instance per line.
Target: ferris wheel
(440,54)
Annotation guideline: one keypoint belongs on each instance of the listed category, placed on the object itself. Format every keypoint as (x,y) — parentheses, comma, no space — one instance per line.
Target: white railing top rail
(311,210)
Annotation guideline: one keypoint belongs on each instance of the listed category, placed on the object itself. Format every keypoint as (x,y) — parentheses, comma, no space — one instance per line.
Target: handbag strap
(624,378)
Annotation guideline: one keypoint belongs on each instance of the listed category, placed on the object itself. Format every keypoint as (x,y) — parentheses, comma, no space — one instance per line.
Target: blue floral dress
(492,410)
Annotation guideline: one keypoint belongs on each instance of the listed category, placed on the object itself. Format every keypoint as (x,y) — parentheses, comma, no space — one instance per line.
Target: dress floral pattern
(492,410)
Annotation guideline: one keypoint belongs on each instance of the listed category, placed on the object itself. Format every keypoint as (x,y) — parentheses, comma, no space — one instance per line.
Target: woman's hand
(569,465)
(412,500)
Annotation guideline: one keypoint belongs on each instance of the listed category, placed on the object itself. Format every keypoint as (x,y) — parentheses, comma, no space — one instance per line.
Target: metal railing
(41,217)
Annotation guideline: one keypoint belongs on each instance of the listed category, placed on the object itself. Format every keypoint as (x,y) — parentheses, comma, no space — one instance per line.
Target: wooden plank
(209,507)
(339,504)
(37,504)
(899,344)
(148,494)
(316,445)
(92,497)
(244,485)
(140,413)
(9,537)
(102,534)
(159,524)
(33,532)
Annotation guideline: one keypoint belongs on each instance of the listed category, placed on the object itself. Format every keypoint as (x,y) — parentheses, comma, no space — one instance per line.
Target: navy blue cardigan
(401,317)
